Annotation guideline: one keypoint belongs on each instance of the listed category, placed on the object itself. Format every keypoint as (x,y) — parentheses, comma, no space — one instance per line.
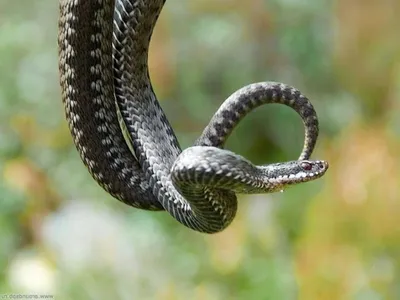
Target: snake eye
(306,166)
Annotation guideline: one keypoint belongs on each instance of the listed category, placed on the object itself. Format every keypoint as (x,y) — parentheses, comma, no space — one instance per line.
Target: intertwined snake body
(103,52)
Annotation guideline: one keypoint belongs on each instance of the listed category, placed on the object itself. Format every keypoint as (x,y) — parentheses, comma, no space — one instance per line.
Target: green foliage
(335,238)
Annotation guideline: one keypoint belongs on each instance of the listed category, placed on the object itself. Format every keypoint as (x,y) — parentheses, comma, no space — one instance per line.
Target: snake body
(103,52)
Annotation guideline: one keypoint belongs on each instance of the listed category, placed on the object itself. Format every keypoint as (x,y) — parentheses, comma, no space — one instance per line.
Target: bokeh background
(335,238)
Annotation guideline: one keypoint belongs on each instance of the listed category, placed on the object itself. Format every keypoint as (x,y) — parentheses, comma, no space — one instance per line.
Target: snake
(125,139)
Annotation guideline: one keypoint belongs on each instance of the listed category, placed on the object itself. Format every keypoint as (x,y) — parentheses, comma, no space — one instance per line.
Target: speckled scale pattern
(197,186)
(86,79)
(148,125)
(246,99)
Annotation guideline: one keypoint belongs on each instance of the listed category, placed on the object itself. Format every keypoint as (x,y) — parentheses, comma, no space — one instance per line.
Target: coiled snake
(103,52)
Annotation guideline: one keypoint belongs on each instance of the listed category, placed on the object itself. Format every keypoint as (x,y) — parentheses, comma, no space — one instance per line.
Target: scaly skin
(196,186)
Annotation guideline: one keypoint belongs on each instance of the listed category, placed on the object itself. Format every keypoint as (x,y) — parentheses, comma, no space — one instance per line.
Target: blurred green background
(334,238)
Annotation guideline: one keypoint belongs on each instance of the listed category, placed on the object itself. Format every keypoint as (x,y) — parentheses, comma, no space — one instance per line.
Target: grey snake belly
(104,78)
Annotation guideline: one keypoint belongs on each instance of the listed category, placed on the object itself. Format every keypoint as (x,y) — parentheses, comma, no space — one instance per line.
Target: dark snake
(104,77)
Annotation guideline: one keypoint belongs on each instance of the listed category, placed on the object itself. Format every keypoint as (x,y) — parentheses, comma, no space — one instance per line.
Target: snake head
(280,175)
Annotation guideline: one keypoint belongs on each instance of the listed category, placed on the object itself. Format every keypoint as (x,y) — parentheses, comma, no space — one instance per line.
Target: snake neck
(248,98)
(237,173)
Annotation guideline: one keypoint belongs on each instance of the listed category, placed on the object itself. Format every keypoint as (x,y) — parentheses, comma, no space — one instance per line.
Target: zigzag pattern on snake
(103,53)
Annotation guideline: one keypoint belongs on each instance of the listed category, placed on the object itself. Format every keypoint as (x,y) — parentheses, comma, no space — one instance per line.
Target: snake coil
(103,53)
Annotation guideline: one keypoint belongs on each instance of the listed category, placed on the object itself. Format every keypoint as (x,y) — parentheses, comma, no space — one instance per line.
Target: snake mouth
(295,178)
(308,171)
